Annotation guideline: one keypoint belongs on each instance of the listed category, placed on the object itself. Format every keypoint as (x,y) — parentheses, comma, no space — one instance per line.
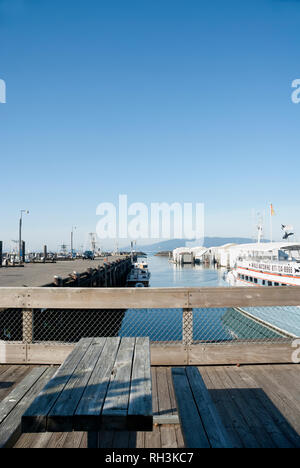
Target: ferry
(139,275)
(267,264)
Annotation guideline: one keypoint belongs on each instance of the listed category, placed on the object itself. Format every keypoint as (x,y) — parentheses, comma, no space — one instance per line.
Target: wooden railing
(140,298)
(187,352)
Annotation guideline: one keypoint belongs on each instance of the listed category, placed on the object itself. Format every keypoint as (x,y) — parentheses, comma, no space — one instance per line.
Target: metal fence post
(187,327)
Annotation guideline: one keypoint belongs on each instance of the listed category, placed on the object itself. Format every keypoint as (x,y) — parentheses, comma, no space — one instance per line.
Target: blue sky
(162,100)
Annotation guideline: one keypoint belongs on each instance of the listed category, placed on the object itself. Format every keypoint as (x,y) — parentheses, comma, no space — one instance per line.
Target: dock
(67,325)
(43,274)
(259,406)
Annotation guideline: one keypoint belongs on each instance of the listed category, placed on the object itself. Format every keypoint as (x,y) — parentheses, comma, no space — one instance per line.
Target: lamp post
(72,235)
(20,233)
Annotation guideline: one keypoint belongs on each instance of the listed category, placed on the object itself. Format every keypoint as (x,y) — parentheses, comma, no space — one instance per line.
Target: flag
(272,210)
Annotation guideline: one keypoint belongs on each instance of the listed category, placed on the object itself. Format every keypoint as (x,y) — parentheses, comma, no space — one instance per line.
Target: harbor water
(209,325)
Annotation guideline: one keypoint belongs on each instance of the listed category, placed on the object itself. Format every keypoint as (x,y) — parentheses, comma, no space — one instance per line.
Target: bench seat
(200,422)
(18,400)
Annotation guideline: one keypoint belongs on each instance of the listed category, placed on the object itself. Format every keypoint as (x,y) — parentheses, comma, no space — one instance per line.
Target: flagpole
(271,230)
(271,227)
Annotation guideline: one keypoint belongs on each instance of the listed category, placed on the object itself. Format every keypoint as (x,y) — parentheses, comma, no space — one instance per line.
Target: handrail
(140,298)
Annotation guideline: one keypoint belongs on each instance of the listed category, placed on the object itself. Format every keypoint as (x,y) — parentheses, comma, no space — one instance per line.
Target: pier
(103,271)
(45,324)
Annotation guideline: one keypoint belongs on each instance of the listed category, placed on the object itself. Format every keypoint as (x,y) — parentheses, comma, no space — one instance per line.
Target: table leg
(93,439)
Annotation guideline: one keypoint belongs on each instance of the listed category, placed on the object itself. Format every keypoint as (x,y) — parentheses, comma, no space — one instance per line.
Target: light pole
(72,234)
(20,233)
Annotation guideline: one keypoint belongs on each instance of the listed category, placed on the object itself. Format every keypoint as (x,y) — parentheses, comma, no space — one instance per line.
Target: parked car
(88,255)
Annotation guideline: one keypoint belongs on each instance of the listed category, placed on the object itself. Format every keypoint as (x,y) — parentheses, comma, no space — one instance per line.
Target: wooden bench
(200,422)
(104,384)
(18,400)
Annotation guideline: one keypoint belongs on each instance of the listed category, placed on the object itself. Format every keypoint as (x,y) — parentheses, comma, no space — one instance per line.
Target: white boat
(139,276)
(269,264)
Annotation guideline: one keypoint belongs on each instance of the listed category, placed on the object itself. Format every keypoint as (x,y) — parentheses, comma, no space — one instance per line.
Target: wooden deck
(259,406)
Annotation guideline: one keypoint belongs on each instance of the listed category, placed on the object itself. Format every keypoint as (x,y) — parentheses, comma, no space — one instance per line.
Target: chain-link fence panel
(168,326)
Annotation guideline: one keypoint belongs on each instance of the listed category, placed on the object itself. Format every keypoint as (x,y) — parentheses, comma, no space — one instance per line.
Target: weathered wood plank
(188,412)
(231,411)
(168,437)
(12,353)
(18,392)
(47,353)
(224,409)
(171,391)
(257,408)
(244,296)
(114,413)
(10,378)
(60,417)
(124,298)
(216,432)
(278,401)
(166,355)
(151,439)
(154,391)
(140,412)
(171,355)
(247,410)
(11,427)
(92,298)
(239,353)
(104,383)
(87,415)
(164,400)
(35,418)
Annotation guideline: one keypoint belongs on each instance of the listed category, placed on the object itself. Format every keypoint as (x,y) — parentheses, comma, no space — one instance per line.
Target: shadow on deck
(259,406)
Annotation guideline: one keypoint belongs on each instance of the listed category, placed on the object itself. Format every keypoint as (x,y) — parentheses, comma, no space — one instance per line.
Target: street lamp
(72,234)
(20,233)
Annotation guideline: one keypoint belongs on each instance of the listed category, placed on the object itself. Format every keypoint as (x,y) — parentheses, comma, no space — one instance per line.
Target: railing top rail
(140,298)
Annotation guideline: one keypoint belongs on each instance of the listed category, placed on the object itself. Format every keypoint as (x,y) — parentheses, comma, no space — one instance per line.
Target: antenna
(15,249)
(259,227)
(63,249)
(93,241)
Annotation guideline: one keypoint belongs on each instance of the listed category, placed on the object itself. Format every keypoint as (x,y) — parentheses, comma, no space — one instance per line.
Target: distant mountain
(208,242)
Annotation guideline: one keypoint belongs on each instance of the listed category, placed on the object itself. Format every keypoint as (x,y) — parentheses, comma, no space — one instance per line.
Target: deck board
(254,402)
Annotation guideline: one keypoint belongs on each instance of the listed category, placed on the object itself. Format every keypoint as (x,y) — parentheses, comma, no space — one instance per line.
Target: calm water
(210,325)
(170,275)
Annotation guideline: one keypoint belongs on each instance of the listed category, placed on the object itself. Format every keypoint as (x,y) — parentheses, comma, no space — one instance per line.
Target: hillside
(208,242)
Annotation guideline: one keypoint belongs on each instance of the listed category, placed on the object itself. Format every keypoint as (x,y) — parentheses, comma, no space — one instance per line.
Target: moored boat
(269,264)
(139,275)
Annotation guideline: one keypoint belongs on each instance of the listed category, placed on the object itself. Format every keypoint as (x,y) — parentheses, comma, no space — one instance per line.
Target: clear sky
(162,100)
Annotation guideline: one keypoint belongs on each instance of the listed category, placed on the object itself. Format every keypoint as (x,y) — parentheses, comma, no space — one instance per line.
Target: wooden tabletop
(105,383)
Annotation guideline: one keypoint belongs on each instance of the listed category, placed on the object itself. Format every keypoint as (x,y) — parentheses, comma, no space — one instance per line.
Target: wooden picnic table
(104,384)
